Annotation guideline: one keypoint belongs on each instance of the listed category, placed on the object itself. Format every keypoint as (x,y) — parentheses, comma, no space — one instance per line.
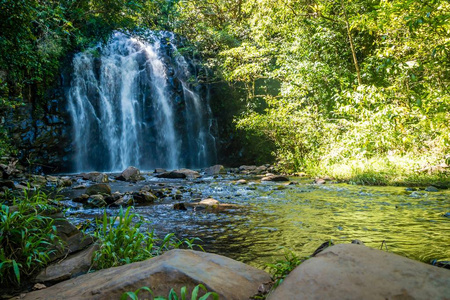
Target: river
(271,218)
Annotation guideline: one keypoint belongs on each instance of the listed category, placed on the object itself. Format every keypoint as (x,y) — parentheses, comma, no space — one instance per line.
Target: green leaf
(127,295)
(16,270)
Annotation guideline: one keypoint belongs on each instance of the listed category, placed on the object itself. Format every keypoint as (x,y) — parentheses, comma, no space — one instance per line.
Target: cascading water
(137,102)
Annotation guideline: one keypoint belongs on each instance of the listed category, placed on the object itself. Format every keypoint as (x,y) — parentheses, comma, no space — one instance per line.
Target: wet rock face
(41,133)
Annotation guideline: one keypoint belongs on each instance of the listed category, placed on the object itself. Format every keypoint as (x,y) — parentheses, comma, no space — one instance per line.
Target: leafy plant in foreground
(123,241)
(26,236)
(173,295)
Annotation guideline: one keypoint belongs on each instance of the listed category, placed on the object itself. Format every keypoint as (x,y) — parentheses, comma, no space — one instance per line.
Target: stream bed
(270,218)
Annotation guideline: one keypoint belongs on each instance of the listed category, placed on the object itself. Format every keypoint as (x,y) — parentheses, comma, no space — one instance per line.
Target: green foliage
(26,237)
(281,268)
(316,50)
(123,240)
(173,295)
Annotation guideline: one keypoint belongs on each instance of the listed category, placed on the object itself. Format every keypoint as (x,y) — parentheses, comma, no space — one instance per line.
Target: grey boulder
(349,271)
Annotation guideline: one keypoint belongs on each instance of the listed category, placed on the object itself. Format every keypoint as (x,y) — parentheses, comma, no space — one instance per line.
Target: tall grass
(385,170)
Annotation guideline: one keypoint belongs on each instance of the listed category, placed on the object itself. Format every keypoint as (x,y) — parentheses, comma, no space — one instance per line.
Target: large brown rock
(349,271)
(130,174)
(174,269)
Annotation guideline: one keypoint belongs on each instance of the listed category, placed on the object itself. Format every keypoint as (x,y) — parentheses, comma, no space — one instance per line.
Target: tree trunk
(355,61)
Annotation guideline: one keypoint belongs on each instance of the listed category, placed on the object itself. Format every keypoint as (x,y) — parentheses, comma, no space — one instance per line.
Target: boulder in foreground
(350,271)
(174,269)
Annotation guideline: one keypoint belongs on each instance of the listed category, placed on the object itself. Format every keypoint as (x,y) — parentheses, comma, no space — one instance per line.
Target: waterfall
(136,101)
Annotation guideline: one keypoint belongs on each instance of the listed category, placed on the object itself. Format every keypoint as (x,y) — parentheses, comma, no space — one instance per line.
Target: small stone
(241,181)
(39,286)
(275,178)
(319,181)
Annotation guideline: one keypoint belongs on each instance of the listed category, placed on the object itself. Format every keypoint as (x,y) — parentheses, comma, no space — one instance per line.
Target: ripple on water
(301,217)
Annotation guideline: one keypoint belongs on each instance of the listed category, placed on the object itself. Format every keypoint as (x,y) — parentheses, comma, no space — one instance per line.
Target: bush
(25,237)
(122,242)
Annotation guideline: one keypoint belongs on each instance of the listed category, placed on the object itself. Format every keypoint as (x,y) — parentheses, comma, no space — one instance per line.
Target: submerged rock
(230,279)
(349,271)
(208,202)
(210,205)
(275,178)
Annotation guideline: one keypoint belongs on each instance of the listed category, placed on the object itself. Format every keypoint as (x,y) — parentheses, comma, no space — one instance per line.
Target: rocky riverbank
(345,271)
(188,193)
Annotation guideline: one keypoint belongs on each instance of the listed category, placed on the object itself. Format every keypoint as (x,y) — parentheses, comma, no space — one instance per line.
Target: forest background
(358,90)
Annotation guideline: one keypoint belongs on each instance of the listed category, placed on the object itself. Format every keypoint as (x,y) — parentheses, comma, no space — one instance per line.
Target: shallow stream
(271,217)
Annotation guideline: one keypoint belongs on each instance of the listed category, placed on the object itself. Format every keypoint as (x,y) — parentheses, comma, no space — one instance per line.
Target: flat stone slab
(174,269)
(72,266)
(349,271)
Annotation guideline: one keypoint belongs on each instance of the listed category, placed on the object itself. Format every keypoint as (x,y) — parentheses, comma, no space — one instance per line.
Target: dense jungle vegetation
(337,87)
